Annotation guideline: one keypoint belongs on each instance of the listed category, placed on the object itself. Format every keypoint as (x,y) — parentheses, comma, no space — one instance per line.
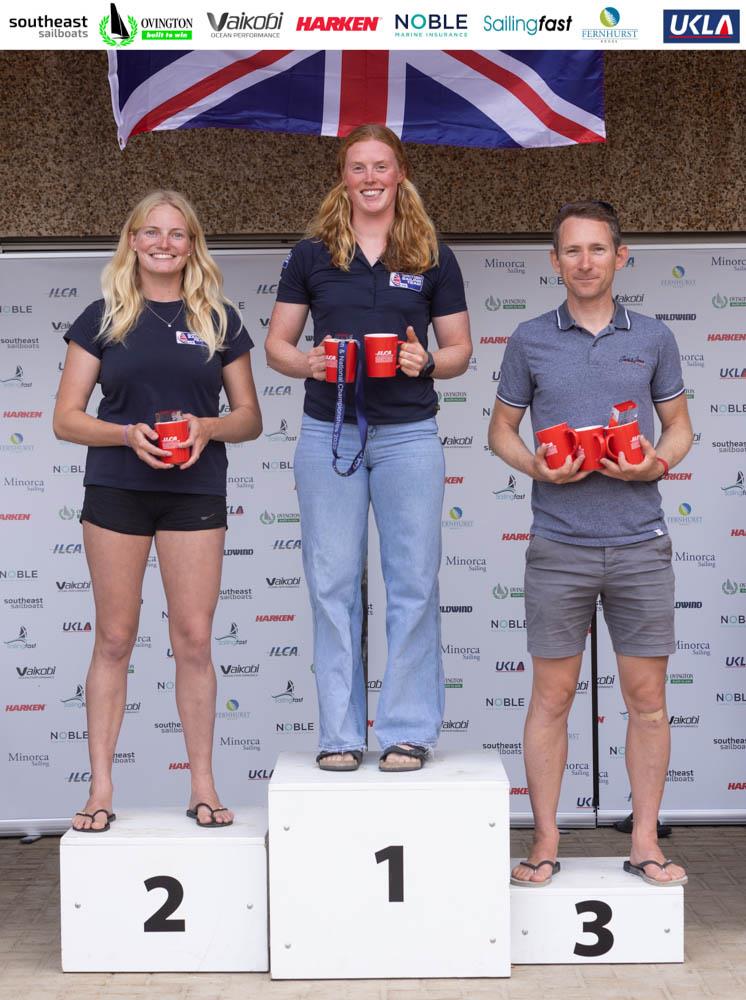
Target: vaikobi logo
(244,26)
(113,27)
(698,26)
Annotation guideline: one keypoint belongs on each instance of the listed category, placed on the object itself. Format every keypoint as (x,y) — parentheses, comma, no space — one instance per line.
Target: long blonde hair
(201,288)
(412,242)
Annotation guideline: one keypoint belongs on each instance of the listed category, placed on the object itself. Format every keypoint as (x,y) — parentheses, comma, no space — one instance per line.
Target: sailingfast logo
(15,381)
(509,492)
(281,434)
(736,489)
(231,637)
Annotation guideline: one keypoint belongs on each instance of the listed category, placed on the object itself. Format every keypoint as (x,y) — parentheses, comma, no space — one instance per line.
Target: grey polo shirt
(563,372)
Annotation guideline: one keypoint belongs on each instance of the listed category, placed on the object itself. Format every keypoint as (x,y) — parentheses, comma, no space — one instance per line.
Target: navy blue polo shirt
(563,372)
(371,299)
(157,368)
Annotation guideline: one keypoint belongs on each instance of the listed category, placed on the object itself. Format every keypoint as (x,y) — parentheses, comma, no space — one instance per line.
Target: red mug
(172,428)
(332,347)
(562,441)
(626,438)
(591,440)
(381,354)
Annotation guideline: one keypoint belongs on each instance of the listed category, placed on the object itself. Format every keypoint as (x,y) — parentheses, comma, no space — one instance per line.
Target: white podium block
(376,875)
(594,912)
(158,894)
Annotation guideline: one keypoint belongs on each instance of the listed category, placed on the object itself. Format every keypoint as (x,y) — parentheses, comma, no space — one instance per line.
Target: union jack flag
(459,98)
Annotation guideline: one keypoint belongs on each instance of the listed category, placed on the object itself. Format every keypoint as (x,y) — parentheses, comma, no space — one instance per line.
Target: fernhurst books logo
(699,26)
(114,31)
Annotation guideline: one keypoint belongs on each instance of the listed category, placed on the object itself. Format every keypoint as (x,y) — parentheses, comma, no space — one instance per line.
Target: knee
(553,704)
(191,639)
(646,704)
(114,642)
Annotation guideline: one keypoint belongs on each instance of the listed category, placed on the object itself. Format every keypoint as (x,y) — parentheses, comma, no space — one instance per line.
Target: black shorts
(143,512)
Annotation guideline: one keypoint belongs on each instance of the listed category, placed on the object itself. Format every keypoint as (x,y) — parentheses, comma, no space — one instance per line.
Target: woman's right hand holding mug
(317,362)
(140,437)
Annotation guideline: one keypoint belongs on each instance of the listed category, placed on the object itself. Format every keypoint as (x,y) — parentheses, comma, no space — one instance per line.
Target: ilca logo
(113,25)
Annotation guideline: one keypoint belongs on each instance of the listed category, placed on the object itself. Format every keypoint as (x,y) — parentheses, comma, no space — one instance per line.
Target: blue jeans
(402,475)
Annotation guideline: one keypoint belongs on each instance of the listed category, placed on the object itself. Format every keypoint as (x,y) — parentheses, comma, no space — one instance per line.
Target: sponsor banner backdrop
(262,647)
(130,26)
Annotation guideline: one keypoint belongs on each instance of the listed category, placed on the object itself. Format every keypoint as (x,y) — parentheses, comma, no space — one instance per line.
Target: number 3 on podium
(604,938)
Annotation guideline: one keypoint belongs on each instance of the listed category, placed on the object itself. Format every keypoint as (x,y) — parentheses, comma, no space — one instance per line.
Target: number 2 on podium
(395,857)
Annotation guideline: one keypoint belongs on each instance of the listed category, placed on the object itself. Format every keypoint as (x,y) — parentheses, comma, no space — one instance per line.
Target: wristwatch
(428,368)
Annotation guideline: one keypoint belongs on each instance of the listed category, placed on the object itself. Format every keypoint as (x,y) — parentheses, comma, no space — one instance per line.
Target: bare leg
(545,754)
(643,681)
(117,563)
(191,563)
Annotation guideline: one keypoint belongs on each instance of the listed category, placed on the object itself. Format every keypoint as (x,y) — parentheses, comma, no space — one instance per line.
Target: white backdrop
(262,636)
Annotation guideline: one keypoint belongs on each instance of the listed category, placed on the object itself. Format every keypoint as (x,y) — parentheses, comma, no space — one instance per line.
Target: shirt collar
(620,320)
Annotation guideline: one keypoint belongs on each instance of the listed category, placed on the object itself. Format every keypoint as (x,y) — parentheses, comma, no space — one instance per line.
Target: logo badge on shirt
(187,337)
(412,281)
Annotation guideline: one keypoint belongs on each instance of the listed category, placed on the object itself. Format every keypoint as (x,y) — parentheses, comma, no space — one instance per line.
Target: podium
(156,893)
(377,875)
(594,912)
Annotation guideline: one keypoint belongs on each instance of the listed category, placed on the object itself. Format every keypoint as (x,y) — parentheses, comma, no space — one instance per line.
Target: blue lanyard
(339,408)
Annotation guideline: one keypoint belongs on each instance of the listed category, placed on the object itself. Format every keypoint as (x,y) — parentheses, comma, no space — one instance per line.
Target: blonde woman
(163,335)
(372,263)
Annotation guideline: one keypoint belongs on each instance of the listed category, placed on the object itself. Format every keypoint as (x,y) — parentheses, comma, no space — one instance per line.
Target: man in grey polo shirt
(595,532)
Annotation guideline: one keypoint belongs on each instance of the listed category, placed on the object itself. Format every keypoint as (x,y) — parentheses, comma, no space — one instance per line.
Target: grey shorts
(636,584)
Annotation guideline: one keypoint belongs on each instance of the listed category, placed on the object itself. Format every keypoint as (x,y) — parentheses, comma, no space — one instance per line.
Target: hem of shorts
(670,649)
(141,488)
(596,542)
(553,654)
(119,531)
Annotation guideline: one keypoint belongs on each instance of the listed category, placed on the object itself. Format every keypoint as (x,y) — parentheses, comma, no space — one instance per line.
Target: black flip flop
(555,866)
(639,871)
(110,817)
(339,765)
(194,814)
(417,753)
